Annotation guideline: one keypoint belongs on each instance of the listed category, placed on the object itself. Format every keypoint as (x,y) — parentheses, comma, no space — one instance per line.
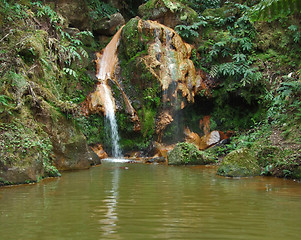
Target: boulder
(75,11)
(205,141)
(69,144)
(99,151)
(239,163)
(169,13)
(187,154)
(108,26)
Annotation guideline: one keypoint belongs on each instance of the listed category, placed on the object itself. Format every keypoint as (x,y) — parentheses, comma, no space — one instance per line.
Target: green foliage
(100,9)
(228,54)
(130,39)
(295,32)
(269,10)
(200,5)
(70,72)
(189,32)
(92,127)
(5,105)
(285,102)
(18,141)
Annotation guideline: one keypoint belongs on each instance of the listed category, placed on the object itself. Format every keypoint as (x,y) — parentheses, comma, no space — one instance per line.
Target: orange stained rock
(162,149)
(203,142)
(98,149)
(205,124)
(168,60)
(162,122)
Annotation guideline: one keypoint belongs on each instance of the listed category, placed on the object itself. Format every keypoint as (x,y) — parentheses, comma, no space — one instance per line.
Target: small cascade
(110,115)
(105,67)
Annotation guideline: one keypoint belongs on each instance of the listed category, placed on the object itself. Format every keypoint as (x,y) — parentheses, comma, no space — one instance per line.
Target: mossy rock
(25,149)
(187,154)
(169,13)
(33,46)
(239,163)
(130,41)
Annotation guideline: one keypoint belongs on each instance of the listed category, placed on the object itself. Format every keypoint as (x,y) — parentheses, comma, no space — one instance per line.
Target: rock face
(41,141)
(186,153)
(169,13)
(98,149)
(164,55)
(69,145)
(75,11)
(109,25)
(156,73)
(239,163)
(151,78)
(206,141)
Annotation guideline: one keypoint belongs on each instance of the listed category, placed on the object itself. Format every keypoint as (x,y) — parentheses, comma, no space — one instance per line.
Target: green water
(151,202)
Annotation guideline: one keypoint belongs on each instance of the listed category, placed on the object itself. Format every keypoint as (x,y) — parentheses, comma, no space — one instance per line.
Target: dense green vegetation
(250,52)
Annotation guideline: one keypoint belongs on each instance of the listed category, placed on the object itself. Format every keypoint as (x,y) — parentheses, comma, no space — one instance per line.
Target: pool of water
(138,201)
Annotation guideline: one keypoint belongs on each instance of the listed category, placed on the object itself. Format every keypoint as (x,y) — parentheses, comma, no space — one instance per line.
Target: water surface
(138,201)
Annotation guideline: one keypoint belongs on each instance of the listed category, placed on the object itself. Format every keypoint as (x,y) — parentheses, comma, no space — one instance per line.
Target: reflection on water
(137,201)
(109,222)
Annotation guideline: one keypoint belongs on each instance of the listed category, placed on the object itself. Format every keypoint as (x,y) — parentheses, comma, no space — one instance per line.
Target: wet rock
(156,160)
(134,154)
(162,150)
(156,69)
(108,26)
(162,55)
(169,13)
(162,122)
(22,174)
(187,153)
(100,152)
(205,141)
(239,163)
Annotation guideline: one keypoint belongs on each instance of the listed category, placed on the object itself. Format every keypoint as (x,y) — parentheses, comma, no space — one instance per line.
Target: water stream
(139,201)
(105,70)
(110,115)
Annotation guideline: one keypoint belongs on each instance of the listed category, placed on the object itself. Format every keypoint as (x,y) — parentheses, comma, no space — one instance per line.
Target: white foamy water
(110,115)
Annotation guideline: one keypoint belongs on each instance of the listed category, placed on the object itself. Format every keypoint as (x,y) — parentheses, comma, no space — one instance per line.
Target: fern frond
(269,10)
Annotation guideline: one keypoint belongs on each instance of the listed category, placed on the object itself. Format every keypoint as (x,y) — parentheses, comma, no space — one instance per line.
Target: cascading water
(110,115)
(106,66)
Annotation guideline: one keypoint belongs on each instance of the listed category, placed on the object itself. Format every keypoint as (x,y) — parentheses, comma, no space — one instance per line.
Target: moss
(158,8)
(25,149)
(130,39)
(148,117)
(239,163)
(32,47)
(93,128)
(187,154)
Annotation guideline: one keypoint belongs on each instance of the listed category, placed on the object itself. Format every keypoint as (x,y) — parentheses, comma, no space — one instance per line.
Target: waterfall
(105,67)
(110,115)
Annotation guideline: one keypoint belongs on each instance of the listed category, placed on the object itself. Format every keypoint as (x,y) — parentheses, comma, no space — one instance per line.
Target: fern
(189,31)
(269,10)
(295,32)
(99,9)
(70,72)
(239,57)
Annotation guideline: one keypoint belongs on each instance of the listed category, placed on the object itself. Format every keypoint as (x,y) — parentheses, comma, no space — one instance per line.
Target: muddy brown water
(139,201)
